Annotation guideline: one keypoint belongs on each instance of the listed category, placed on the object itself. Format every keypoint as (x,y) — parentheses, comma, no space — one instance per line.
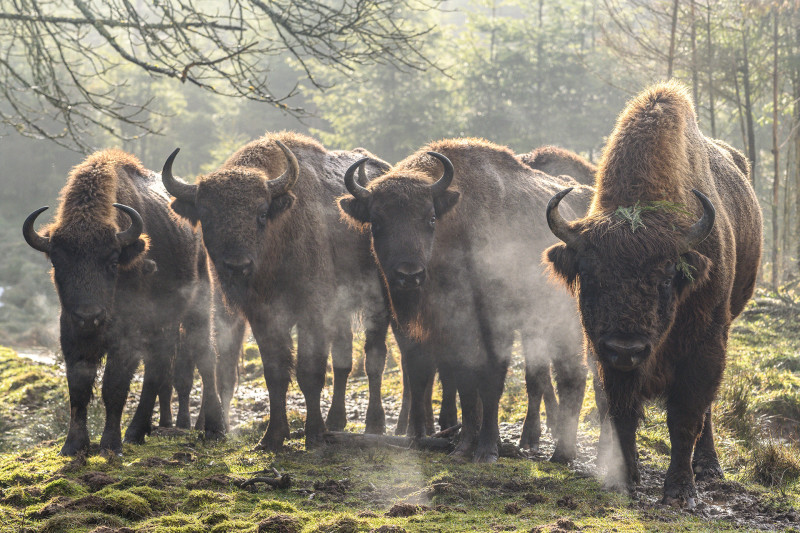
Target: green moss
(197,499)
(158,500)
(63,487)
(125,503)
(340,524)
(232,525)
(175,523)
(64,522)
(276,506)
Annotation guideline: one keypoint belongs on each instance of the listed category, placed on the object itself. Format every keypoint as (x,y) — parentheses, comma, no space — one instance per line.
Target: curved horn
(177,187)
(284,183)
(558,225)
(36,241)
(702,228)
(129,236)
(447,177)
(361,193)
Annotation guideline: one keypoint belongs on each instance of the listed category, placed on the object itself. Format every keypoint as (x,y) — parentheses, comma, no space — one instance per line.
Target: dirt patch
(562,525)
(512,508)
(280,523)
(332,486)
(95,481)
(534,498)
(388,529)
(567,502)
(106,529)
(405,510)
(217,481)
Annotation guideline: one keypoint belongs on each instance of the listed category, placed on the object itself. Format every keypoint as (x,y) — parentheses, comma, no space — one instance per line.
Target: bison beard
(657,291)
(127,295)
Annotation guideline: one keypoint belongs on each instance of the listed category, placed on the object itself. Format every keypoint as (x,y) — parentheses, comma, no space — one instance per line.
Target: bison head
(237,208)
(629,278)
(86,258)
(401,212)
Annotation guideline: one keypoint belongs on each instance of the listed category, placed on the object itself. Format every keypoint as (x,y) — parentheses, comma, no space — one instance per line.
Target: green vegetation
(179,484)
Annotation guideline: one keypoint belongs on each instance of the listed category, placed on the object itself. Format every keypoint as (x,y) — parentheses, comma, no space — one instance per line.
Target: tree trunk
(710,59)
(748,107)
(672,32)
(776,182)
(695,76)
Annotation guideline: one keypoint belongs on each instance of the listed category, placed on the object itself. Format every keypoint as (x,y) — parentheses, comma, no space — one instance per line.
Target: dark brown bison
(659,275)
(130,278)
(284,259)
(451,232)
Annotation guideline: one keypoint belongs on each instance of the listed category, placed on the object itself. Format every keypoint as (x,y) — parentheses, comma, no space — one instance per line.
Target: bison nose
(239,265)
(624,354)
(409,275)
(89,317)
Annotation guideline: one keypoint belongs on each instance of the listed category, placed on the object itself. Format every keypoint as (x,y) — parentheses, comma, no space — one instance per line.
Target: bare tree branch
(67,66)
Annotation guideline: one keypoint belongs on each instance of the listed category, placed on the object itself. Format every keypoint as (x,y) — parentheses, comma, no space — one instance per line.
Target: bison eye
(432,221)
(667,283)
(262,219)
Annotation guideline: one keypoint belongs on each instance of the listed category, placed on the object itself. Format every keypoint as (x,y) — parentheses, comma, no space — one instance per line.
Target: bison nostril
(625,353)
(409,275)
(93,315)
(243,266)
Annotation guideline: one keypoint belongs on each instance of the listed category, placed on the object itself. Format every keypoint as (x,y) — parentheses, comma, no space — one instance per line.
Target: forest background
(519,73)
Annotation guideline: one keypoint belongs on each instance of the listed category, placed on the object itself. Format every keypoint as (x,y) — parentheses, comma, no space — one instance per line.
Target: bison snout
(89,317)
(242,266)
(624,354)
(409,276)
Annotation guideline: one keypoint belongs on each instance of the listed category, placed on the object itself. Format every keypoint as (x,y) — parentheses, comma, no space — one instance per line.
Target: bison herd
(657,248)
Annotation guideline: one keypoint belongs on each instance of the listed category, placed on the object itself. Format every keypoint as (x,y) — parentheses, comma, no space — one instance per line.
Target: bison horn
(284,183)
(36,241)
(702,228)
(355,188)
(440,186)
(177,187)
(130,235)
(558,225)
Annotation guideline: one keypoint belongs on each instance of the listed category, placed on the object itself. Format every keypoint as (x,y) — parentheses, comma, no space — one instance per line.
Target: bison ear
(130,254)
(693,271)
(562,264)
(445,202)
(354,211)
(185,210)
(279,204)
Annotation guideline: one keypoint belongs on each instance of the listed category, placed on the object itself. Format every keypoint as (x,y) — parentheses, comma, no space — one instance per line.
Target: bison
(130,278)
(557,161)
(451,232)
(284,259)
(663,262)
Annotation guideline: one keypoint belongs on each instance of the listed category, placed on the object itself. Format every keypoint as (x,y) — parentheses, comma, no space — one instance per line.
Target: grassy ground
(176,483)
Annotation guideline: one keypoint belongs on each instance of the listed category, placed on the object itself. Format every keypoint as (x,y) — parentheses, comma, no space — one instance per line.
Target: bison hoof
(685,503)
(486,456)
(679,494)
(706,468)
(73,448)
(562,456)
(375,429)
(529,440)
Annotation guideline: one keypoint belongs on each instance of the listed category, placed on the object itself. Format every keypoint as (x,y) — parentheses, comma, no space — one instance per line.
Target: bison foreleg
(705,463)
(80,380)
(229,334)
(571,381)
(156,376)
(312,359)
(623,470)
(448,413)
(342,356)
(276,356)
(375,363)
(183,376)
(120,367)
(165,404)
(197,325)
